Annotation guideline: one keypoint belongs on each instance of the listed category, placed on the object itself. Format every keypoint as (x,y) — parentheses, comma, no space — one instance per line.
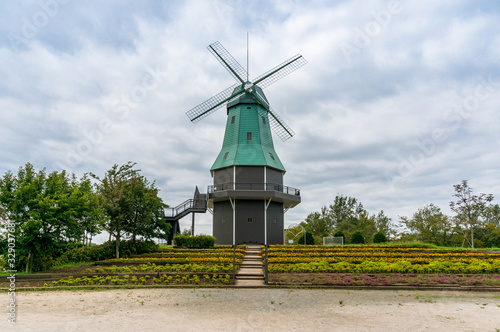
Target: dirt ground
(254,310)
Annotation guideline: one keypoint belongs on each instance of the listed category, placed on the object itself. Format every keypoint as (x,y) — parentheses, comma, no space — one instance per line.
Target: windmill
(248,198)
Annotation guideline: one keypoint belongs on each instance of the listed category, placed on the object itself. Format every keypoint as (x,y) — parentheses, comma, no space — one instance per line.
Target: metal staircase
(197,204)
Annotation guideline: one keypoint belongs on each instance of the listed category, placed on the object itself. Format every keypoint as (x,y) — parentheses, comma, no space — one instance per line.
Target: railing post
(265,267)
(234,266)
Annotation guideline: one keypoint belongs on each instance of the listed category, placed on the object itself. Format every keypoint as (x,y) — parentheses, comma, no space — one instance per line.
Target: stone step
(256,278)
(251,264)
(250,283)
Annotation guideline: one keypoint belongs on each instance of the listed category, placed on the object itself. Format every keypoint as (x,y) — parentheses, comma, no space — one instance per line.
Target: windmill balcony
(253,186)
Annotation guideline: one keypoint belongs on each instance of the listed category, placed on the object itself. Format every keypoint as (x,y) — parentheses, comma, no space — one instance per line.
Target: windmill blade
(227,60)
(279,126)
(280,71)
(211,105)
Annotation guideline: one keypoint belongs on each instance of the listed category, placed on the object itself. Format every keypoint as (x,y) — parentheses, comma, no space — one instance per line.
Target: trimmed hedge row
(197,241)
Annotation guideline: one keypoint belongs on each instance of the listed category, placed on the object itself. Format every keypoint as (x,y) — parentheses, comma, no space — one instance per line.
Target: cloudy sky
(399,100)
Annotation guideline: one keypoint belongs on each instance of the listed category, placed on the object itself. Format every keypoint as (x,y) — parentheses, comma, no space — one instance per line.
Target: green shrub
(340,233)
(357,238)
(106,251)
(309,239)
(379,238)
(197,241)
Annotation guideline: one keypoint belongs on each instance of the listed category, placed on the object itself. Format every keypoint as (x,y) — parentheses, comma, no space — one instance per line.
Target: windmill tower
(248,197)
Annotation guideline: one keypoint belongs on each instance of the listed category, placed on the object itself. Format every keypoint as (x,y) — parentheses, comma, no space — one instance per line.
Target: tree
(131,205)
(489,232)
(319,223)
(429,225)
(346,210)
(469,207)
(46,212)
(382,223)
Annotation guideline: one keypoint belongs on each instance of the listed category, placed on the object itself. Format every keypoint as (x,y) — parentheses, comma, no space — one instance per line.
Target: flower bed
(164,268)
(185,279)
(373,265)
(348,279)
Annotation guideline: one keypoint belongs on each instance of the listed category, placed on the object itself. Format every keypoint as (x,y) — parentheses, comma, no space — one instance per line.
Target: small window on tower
(263,120)
(271,155)
(249,136)
(232,119)
(250,220)
(249,108)
(225,155)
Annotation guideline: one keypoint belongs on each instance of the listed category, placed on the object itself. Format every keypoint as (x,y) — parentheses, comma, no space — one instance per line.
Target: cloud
(105,83)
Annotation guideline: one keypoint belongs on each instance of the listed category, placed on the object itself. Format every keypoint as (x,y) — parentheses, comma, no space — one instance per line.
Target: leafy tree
(489,233)
(46,212)
(379,237)
(357,238)
(346,210)
(319,223)
(382,223)
(309,239)
(469,207)
(429,225)
(131,205)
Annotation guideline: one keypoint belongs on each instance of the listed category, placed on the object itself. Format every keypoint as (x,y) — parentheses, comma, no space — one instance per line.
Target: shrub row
(106,251)
(197,241)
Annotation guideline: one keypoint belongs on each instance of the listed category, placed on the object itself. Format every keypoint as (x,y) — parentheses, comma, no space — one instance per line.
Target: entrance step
(251,271)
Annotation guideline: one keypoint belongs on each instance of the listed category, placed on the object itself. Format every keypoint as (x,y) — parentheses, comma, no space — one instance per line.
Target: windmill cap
(247,98)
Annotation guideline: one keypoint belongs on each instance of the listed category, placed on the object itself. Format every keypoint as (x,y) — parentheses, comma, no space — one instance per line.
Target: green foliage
(357,238)
(106,251)
(46,213)
(309,239)
(379,237)
(348,215)
(429,225)
(131,205)
(338,234)
(469,208)
(197,241)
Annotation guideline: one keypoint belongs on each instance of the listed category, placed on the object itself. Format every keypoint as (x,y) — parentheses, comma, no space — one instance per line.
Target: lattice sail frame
(282,130)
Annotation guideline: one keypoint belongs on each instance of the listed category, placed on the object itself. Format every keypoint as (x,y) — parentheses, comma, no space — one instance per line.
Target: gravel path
(254,310)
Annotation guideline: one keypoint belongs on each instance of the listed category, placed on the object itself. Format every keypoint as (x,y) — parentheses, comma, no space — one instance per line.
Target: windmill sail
(211,105)
(280,71)
(282,130)
(227,60)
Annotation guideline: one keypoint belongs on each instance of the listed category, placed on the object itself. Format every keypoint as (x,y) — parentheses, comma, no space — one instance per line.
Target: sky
(399,100)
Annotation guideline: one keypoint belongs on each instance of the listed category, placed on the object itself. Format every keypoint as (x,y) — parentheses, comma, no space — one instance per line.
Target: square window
(225,155)
(232,119)
(249,108)
(250,220)
(263,120)
(249,136)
